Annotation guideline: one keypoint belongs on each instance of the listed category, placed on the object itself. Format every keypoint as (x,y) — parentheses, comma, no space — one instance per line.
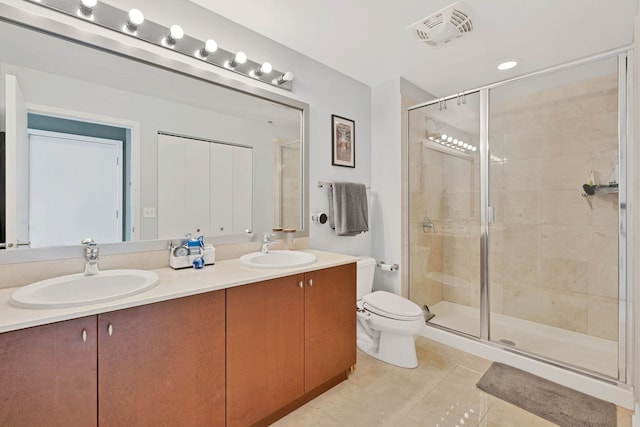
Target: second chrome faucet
(91,256)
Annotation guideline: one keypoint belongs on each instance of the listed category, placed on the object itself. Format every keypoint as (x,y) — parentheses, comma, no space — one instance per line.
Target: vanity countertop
(173,284)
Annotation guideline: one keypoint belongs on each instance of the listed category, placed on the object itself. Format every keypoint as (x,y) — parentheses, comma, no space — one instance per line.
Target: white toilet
(387,323)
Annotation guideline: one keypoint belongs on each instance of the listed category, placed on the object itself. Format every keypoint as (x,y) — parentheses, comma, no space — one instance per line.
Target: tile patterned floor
(440,392)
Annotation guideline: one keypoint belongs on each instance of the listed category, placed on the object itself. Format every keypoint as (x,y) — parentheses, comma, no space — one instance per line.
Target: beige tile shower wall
(425,188)
(291,186)
(553,258)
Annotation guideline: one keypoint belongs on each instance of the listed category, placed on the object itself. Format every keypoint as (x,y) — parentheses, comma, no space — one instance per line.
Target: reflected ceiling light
(209,47)
(507,65)
(286,77)
(86,7)
(265,68)
(175,33)
(238,58)
(134,20)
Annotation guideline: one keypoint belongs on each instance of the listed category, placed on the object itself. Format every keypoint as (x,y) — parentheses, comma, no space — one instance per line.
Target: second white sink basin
(77,289)
(277,259)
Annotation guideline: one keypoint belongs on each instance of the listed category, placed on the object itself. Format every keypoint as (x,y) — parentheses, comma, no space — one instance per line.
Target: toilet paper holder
(387,267)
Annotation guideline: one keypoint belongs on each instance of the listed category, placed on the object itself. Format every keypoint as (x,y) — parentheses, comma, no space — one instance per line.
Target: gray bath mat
(546,399)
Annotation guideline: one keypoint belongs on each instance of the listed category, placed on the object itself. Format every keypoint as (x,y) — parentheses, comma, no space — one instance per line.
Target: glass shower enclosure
(516,216)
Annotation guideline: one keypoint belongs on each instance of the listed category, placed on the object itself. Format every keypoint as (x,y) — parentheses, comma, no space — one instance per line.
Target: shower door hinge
(491,214)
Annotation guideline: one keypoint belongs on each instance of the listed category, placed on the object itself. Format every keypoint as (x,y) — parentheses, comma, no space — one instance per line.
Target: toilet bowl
(387,323)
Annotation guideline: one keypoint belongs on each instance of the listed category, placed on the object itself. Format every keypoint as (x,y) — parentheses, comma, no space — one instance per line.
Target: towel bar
(329,184)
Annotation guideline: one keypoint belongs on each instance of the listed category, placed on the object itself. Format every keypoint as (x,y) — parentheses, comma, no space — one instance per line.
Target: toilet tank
(366,268)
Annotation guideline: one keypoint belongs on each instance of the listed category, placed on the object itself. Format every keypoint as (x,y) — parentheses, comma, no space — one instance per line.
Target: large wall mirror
(98,144)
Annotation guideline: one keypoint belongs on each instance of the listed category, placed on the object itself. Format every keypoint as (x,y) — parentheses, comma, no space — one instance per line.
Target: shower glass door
(553,250)
(444,212)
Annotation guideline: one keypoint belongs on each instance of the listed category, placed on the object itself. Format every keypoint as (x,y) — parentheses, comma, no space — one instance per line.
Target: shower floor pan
(581,350)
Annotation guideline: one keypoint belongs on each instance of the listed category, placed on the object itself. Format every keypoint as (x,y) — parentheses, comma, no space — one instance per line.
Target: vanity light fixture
(134,20)
(265,68)
(86,7)
(286,77)
(133,23)
(239,58)
(175,33)
(209,47)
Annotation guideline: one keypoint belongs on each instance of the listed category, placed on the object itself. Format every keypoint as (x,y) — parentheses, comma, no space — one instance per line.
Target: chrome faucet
(266,242)
(91,256)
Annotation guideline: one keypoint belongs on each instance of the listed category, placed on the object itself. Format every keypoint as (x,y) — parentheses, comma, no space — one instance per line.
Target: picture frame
(343,142)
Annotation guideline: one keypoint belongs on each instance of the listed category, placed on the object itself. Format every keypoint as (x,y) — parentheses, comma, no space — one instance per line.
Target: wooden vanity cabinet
(48,375)
(330,324)
(288,340)
(265,348)
(163,363)
(153,365)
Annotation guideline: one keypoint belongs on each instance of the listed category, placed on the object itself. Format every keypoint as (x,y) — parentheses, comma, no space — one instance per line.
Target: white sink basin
(77,289)
(277,259)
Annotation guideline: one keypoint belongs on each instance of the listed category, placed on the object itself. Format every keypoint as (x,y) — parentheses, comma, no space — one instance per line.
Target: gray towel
(348,208)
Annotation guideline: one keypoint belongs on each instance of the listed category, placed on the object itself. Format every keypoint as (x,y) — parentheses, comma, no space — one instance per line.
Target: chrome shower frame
(626,208)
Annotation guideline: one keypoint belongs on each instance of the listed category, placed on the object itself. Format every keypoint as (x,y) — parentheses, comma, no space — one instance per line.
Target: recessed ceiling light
(507,65)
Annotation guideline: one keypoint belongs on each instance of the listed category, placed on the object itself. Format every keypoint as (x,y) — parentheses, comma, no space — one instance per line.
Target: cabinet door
(330,323)
(48,375)
(183,187)
(242,184)
(265,348)
(221,195)
(163,363)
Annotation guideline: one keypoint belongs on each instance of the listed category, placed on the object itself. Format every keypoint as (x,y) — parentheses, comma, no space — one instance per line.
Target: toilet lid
(391,305)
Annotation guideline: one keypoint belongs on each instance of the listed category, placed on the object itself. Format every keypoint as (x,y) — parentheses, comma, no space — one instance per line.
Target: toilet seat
(391,306)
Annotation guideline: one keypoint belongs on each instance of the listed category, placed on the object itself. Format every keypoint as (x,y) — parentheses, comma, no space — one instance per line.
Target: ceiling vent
(443,26)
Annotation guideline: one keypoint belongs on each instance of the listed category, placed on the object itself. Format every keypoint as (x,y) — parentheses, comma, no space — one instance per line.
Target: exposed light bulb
(209,47)
(450,139)
(175,33)
(444,136)
(474,148)
(455,140)
(460,143)
(86,7)
(266,68)
(239,58)
(135,19)
(286,77)
(465,145)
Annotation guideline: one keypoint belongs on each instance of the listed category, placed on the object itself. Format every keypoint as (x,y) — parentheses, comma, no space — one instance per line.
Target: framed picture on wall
(343,142)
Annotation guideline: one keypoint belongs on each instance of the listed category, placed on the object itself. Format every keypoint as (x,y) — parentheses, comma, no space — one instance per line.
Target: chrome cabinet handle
(110,329)
(84,335)
(310,282)
(300,283)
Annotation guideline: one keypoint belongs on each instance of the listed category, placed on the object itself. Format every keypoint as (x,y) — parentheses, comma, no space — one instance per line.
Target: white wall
(635,197)
(324,89)
(389,123)
(387,201)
